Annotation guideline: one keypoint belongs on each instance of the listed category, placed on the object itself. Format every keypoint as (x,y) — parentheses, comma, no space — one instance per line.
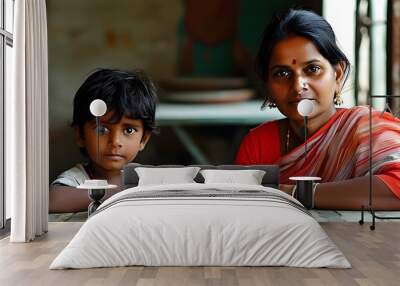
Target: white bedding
(234,229)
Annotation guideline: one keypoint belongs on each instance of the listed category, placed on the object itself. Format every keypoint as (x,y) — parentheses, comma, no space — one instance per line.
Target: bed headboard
(271,178)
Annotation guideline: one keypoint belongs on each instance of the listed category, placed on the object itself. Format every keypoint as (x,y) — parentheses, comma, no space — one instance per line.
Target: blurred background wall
(151,35)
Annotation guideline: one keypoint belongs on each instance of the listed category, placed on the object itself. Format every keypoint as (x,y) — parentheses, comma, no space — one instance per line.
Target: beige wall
(86,34)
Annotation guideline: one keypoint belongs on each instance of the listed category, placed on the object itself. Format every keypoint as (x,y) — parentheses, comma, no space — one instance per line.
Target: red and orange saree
(338,151)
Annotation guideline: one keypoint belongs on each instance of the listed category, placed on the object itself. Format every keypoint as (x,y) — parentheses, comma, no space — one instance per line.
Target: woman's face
(298,71)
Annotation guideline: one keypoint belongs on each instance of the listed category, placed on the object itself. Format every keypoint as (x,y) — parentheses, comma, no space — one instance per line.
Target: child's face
(119,143)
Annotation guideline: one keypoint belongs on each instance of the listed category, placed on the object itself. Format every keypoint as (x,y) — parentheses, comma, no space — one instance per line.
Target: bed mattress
(201,225)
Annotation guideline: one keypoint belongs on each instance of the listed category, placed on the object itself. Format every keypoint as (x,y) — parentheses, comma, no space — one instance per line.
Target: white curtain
(27,124)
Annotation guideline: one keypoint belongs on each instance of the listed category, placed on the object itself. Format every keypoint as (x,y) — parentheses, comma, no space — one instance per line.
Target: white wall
(341,15)
(378,30)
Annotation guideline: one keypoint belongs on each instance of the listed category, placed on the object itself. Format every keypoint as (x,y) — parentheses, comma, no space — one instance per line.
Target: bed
(201,223)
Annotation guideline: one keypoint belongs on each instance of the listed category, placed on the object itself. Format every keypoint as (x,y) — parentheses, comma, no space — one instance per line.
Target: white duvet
(132,229)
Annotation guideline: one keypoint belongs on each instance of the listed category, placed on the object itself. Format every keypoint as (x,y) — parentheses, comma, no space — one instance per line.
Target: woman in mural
(299,59)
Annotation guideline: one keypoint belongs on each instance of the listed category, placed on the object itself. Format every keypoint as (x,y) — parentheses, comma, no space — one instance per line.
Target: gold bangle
(313,193)
(294,190)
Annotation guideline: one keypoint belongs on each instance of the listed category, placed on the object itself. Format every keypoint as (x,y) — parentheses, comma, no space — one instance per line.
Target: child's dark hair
(130,94)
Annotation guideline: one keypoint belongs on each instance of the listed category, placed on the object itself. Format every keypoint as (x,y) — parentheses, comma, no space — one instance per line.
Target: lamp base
(95,195)
(304,190)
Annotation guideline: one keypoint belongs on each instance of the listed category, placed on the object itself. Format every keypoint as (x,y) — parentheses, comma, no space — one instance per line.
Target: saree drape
(338,151)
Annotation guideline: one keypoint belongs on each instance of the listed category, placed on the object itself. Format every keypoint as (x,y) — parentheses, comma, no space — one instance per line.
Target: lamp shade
(98,107)
(305,107)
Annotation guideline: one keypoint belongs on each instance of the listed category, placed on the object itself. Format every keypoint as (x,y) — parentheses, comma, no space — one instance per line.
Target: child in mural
(124,130)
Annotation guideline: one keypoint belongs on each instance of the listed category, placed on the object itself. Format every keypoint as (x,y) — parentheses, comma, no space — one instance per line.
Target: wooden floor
(374,255)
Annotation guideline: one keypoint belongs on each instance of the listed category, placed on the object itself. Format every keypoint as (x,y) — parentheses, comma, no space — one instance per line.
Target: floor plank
(374,255)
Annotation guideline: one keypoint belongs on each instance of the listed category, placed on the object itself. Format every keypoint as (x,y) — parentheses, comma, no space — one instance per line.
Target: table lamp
(305,108)
(96,188)
(304,184)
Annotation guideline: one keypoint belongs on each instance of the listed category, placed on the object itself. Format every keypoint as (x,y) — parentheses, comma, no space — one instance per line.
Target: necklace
(291,140)
(287,139)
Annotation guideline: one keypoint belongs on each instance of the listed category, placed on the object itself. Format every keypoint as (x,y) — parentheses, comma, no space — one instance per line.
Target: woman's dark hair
(130,94)
(305,24)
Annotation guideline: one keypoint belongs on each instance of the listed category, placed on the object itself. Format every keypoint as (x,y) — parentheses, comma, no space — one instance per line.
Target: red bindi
(293,62)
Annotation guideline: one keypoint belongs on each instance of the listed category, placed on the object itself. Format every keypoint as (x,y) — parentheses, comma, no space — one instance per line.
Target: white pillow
(248,177)
(164,176)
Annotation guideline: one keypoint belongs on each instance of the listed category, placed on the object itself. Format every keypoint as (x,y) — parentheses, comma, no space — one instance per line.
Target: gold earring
(268,103)
(337,99)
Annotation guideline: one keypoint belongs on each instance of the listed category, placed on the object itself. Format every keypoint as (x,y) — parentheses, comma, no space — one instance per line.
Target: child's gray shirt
(72,177)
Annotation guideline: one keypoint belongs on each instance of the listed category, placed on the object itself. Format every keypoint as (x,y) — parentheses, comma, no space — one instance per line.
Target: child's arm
(66,199)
